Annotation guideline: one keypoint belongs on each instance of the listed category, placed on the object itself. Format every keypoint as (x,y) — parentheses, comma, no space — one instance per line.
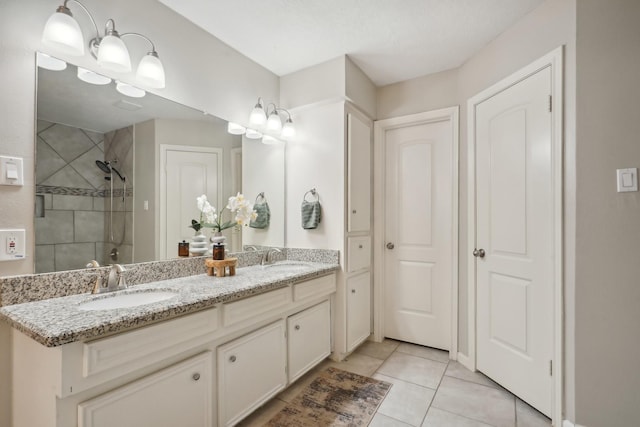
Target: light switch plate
(11,171)
(12,244)
(627,180)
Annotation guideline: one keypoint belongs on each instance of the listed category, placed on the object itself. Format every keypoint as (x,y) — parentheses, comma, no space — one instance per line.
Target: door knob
(390,245)
(478,253)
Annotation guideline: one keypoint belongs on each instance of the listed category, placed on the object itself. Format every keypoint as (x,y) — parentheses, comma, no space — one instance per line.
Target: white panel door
(515,230)
(188,173)
(418,233)
(309,339)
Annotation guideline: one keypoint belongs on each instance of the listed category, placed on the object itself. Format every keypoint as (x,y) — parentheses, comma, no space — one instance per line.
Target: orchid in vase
(240,208)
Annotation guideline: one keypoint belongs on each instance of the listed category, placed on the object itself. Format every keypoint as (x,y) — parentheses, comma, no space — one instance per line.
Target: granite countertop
(57,321)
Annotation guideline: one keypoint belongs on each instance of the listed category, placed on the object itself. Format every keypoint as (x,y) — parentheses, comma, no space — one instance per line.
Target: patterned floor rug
(334,398)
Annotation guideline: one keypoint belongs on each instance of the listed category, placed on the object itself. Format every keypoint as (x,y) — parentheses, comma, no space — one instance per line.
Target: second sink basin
(126,300)
(287,266)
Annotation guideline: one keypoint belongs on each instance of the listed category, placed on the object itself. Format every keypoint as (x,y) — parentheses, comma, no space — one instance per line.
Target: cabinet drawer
(315,287)
(358,253)
(180,395)
(254,306)
(146,344)
(309,339)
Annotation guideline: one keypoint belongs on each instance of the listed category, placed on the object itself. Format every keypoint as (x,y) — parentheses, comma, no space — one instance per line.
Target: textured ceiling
(390,40)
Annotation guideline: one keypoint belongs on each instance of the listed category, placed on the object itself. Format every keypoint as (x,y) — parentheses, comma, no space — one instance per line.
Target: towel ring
(313,192)
(260,195)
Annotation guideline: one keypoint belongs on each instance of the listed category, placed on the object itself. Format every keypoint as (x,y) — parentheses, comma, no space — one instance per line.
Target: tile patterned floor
(428,390)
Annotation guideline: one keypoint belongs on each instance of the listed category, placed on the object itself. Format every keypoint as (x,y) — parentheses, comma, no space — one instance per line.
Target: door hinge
(551,368)
(550,103)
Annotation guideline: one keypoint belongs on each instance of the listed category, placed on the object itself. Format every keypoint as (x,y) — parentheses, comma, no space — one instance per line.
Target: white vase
(198,245)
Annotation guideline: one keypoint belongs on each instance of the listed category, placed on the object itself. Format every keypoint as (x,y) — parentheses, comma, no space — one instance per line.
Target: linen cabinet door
(358,175)
(181,395)
(309,339)
(251,369)
(358,309)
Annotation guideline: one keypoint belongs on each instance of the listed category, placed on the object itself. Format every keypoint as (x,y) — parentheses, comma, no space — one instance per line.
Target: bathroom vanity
(208,356)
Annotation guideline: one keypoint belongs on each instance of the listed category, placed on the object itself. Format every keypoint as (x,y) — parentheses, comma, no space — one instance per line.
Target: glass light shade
(113,54)
(288,130)
(235,129)
(257,117)
(50,63)
(150,71)
(274,123)
(92,77)
(269,140)
(132,91)
(253,134)
(62,33)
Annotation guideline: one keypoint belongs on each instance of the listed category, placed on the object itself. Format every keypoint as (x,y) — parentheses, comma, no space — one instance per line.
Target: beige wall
(547,27)
(607,297)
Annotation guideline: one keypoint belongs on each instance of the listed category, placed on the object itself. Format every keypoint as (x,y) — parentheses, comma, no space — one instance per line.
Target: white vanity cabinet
(251,369)
(309,337)
(180,395)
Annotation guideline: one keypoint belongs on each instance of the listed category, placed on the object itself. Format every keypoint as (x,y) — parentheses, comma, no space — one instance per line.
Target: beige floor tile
(457,370)
(475,401)
(380,420)
(379,350)
(439,418)
(413,369)
(526,416)
(263,414)
(426,352)
(358,364)
(405,401)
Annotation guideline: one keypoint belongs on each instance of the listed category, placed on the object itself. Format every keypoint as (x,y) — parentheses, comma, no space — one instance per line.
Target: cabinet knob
(390,245)
(353,291)
(360,246)
(196,376)
(232,359)
(297,327)
(353,211)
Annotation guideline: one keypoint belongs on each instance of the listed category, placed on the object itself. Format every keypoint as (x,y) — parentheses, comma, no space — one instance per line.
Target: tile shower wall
(72,196)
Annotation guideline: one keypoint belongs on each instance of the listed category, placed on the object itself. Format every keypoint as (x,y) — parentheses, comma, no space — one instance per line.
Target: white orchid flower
(202,201)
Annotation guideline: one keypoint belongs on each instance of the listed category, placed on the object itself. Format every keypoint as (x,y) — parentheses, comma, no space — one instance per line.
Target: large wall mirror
(117,176)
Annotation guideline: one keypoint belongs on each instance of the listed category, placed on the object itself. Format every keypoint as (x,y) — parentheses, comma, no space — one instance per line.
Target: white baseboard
(465,361)
(568,423)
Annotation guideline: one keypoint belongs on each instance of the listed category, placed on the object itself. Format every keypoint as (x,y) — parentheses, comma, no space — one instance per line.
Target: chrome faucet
(250,248)
(267,258)
(116,280)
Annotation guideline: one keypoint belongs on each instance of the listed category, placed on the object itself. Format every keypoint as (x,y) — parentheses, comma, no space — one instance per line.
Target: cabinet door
(309,339)
(181,395)
(358,174)
(358,309)
(251,369)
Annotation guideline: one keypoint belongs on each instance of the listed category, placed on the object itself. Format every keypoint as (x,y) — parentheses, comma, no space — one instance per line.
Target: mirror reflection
(117,177)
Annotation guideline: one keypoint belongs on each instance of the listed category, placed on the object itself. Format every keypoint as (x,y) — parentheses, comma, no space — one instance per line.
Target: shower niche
(84,185)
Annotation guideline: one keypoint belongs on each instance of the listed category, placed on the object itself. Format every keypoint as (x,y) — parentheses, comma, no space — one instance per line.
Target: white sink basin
(126,300)
(287,266)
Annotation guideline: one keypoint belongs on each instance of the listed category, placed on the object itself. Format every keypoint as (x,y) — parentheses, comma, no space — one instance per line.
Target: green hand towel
(311,214)
(264,215)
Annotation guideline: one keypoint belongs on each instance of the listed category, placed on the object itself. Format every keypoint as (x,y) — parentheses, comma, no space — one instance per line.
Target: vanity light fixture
(50,63)
(62,33)
(92,77)
(236,129)
(269,119)
(253,134)
(129,90)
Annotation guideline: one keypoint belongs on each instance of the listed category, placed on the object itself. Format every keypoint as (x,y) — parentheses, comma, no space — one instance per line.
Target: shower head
(104,166)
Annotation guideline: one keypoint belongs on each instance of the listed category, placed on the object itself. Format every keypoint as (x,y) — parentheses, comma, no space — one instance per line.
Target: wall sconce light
(62,33)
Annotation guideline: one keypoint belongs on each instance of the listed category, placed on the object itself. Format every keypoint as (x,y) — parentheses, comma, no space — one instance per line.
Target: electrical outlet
(12,244)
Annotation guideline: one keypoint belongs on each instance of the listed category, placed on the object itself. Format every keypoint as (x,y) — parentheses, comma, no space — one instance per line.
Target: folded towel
(311,212)
(264,214)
